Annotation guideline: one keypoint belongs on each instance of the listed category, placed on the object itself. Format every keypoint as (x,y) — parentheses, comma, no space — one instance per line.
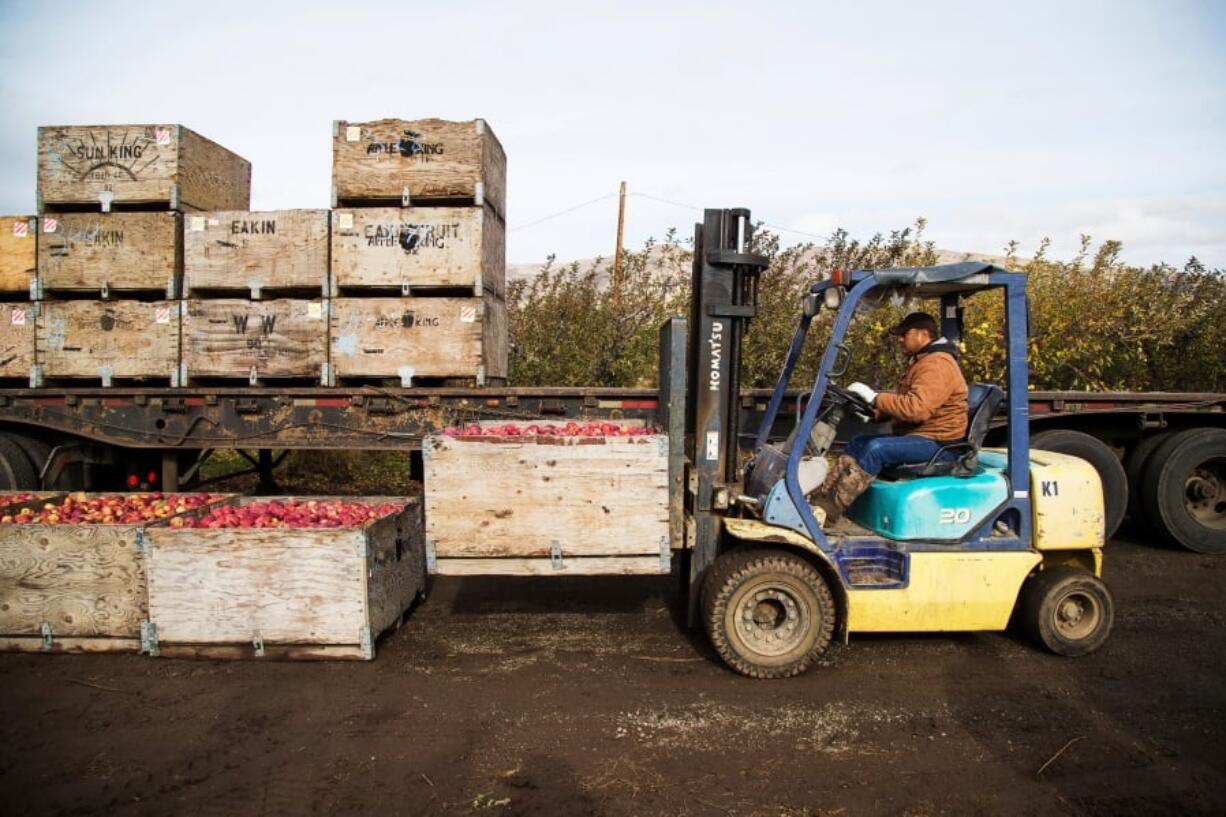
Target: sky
(995,122)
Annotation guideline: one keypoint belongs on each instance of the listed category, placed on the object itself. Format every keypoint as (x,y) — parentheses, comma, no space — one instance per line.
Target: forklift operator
(928,410)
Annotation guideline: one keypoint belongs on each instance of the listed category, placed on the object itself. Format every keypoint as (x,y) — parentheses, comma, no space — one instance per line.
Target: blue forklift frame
(950,282)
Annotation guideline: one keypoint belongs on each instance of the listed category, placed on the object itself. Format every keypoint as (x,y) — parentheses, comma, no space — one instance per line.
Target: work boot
(847,480)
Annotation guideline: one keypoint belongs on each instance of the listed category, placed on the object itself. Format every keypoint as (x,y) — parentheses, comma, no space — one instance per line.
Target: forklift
(972,540)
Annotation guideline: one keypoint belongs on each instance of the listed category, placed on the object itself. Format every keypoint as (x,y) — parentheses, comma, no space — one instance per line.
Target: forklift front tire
(1068,610)
(768,613)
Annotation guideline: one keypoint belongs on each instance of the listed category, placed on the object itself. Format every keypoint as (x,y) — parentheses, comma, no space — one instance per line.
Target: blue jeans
(872,452)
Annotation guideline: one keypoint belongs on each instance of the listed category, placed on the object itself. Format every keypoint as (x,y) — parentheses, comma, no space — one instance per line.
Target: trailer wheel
(768,613)
(1099,454)
(1068,610)
(1134,466)
(1184,489)
(16,473)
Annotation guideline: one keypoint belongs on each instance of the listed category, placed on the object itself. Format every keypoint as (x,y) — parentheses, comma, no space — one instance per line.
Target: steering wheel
(858,404)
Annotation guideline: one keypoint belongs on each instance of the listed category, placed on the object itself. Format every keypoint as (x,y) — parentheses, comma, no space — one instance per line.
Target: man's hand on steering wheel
(859,396)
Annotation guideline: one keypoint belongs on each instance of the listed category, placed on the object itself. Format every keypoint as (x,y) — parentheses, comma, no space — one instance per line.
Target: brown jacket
(931,397)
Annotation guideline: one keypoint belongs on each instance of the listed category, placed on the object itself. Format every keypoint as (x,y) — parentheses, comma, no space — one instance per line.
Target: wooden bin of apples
(206,574)
(569,498)
(72,572)
(284,577)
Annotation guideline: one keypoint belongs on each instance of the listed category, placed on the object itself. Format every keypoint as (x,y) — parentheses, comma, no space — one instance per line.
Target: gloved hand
(864,392)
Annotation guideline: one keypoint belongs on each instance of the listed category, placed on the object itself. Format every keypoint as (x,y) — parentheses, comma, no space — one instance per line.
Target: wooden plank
(256,251)
(83,580)
(235,338)
(509,498)
(286,652)
(111,251)
(166,165)
(228,585)
(18,256)
(432,159)
(395,567)
(210,176)
(70,645)
(17,339)
(419,247)
(134,339)
(590,566)
(494,337)
(414,337)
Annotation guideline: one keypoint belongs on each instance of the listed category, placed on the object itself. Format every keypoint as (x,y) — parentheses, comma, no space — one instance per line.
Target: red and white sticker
(21,229)
(468,314)
(18,316)
(161,314)
(50,225)
(161,136)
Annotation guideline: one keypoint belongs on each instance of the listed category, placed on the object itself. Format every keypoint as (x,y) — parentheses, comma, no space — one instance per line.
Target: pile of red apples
(117,509)
(290,513)
(570,429)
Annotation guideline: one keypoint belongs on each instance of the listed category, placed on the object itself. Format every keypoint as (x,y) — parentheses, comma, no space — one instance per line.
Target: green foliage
(1096,323)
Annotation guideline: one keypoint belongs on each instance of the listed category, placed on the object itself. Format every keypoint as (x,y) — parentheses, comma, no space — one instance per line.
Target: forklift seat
(957,459)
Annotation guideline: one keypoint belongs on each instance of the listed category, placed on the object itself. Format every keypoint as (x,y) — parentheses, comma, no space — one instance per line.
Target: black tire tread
(1134,467)
(1036,591)
(732,568)
(1152,483)
(16,473)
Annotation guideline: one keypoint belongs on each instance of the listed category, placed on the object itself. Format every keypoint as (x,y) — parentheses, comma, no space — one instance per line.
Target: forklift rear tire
(768,613)
(1068,610)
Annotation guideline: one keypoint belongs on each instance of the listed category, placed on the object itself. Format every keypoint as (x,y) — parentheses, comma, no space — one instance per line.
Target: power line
(564,212)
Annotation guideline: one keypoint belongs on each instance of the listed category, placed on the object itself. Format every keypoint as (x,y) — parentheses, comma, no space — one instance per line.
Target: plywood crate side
(210,176)
(574,497)
(256,251)
(84,581)
(495,338)
(108,339)
(416,247)
(427,159)
(220,588)
(154,165)
(17,339)
(235,338)
(111,252)
(411,337)
(18,252)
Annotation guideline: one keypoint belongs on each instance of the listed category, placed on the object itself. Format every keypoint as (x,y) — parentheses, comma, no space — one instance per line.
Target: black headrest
(983,399)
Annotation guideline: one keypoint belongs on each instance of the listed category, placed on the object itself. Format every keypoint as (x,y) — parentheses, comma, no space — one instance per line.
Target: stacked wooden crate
(418,263)
(18,264)
(111,200)
(255,285)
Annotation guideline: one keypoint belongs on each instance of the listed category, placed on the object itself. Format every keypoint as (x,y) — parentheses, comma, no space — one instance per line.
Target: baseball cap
(916,320)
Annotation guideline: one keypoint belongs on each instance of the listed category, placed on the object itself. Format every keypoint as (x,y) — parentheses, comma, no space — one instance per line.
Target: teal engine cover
(933,509)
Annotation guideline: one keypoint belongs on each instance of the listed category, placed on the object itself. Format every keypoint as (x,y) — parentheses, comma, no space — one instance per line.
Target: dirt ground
(585,697)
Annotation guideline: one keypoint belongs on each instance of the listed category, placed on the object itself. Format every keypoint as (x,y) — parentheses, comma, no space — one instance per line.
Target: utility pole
(616,283)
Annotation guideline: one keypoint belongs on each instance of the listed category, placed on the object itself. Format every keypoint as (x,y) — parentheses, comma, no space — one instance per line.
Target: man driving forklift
(927,410)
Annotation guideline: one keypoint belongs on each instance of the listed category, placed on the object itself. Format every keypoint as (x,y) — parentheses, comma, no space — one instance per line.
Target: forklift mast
(724,298)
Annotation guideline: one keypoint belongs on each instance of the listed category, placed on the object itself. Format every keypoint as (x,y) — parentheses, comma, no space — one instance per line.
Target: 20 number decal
(955,516)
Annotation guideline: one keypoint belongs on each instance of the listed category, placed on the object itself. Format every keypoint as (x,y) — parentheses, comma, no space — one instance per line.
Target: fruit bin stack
(111,201)
(418,263)
(206,575)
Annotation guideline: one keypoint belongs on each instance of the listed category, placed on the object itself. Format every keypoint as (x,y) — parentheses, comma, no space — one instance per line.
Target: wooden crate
(553,506)
(18,257)
(105,340)
(258,252)
(17,339)
(110,253)
(165,166)
(417,161)
(72,588)
(412,338)
(254,340)
(291,593)
(419,247)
